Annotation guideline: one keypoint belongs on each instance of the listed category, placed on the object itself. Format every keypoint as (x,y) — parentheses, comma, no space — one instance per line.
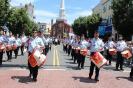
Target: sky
(45,10)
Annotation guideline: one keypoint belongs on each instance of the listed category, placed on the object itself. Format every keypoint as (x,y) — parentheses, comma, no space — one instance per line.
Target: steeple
(62,10)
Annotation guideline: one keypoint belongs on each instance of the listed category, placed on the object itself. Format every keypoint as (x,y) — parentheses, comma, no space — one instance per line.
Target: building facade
(103,9)
(29,8)
(46,28)
(61,28)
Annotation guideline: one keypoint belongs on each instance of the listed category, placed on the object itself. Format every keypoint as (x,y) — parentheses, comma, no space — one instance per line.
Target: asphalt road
(59,71)
(56,59)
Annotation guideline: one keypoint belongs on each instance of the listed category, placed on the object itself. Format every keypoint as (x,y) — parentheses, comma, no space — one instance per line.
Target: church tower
(61,29)
(62,10)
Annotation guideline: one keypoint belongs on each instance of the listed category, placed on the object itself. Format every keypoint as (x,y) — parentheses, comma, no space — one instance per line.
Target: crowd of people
(13,43)
(75,46)
(78,47)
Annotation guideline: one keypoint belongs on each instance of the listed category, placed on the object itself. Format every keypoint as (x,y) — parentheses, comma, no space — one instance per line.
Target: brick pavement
(64,79)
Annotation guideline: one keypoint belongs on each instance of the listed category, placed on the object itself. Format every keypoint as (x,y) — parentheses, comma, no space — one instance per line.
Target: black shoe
(30,76)
(89,77)
(78,68)
(122,69)
(116,69)
(9,60)
(96,79)
(130,76)
(35,80)
(82,67)
(0,64)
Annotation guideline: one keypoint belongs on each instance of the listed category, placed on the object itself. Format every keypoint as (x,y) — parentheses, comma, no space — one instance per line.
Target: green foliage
(4,9)
(86,25)
(17,19)
(123,17)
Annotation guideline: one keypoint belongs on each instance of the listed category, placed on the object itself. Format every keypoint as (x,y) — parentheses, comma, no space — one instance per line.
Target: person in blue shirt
(36,43)
(96,45)
(1,45)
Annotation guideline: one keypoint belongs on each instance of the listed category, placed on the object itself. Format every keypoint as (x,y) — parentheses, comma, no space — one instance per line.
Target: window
(104,9)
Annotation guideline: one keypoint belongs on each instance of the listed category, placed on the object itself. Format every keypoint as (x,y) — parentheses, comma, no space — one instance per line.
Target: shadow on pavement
(69,59)
(22,79)
(84,79)
(109,68)
(73,67)
(13,65)
(71,62)
(127,78)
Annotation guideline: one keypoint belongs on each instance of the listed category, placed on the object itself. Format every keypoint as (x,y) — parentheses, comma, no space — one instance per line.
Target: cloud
(45,13)
(23,2)
(45,16)
(73,8)
(43,20)
(71,17)
(84,13)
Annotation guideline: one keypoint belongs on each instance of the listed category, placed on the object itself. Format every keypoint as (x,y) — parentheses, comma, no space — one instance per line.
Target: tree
(4,9)
(79,26)
(123,17)
(19,21)
(86,25)
(93,22)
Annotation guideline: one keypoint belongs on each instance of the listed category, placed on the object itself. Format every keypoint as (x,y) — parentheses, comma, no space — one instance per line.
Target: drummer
(120,46)
(37,42)
(96,45)
(131,73)
(83,45)
(70,45)
(11,41)
(23,39)
(110,45)
(18,43)
(77,50)
(1,42)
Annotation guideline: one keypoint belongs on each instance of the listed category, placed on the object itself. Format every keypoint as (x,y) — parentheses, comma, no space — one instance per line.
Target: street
(59,71)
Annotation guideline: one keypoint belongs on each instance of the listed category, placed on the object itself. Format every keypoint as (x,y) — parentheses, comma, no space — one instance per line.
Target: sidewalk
(17,78)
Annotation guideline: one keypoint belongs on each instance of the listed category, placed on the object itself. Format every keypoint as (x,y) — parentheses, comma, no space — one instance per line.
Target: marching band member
(83,46)
(67,42)
(11,42)
(77,51)
(18,43)
(46,45)
(96,45)
(41,35)
(63,41)
(56,41)
(110,45)
(131,73)
(50,43)
(73,49)
(3,40)
(69,45)
(64,45)
(23,39)
(120,46)
(37,42)
(1,46)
